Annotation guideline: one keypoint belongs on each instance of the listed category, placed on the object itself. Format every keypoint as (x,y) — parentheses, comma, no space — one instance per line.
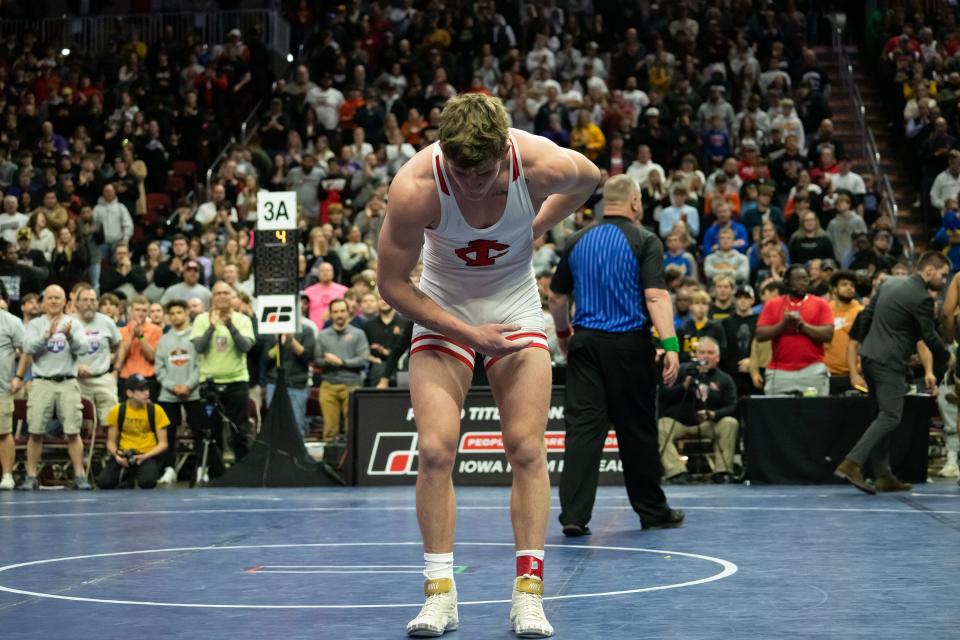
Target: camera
(130,455)
(210,393)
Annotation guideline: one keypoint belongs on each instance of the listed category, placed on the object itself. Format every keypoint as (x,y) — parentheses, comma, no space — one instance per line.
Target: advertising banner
(383,441)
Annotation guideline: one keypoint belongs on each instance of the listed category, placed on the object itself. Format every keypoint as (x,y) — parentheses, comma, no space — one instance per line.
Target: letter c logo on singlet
(479,253)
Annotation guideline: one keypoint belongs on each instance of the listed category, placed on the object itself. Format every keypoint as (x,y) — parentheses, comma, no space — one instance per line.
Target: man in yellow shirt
(134,439)
(845,308)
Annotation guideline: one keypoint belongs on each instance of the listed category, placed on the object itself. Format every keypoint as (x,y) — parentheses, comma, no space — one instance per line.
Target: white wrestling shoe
(950,470)
(7,483)
(526,614)
(439,612)
(169,476)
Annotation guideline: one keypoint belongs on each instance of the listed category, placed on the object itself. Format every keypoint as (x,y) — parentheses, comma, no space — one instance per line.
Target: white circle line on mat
(727,569)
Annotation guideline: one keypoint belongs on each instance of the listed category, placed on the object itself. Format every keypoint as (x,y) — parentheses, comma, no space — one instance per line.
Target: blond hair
(619,189)
(700,297)
(473,129)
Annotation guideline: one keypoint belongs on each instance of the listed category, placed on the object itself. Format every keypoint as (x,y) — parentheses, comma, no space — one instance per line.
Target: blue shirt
(607,267)
(669,216)
(712,236)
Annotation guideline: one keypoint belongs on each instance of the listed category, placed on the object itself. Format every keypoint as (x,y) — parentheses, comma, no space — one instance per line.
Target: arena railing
(94,33)
(871,153)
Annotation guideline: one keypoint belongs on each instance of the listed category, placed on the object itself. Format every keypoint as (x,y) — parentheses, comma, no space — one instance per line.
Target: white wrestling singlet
(482,276)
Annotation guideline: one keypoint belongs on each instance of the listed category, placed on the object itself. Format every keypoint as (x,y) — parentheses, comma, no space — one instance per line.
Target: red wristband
(565,333)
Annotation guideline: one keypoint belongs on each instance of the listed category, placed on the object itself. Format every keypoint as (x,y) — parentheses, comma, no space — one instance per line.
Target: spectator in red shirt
(799,325)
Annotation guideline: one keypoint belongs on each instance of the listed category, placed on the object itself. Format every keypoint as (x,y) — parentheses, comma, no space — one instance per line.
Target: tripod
(212,407)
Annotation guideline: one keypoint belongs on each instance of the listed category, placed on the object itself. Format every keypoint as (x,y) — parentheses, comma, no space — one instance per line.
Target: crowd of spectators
(919,72)
(717,109)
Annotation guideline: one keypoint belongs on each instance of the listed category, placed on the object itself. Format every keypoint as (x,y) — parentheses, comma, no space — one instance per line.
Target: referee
(615,271)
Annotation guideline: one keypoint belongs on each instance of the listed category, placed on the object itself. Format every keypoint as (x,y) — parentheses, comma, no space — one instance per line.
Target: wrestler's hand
(671,367)
(488,339)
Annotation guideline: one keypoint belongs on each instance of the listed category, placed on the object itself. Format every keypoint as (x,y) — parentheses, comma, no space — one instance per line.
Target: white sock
(438,565)
(951,457)
(7,475)
(536,553)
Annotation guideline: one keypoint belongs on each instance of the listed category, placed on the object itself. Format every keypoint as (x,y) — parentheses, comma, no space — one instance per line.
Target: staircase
(847,130)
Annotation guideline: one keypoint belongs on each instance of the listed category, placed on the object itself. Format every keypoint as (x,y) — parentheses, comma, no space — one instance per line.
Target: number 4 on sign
(281,235)
(277,210)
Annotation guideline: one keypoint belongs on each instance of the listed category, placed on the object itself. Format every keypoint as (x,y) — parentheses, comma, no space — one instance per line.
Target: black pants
(234,401)
(887,388)
(146,474)
(839,385)
(611,378)
(196,420)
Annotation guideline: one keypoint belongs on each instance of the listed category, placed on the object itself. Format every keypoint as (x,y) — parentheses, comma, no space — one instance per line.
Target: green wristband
(670,344)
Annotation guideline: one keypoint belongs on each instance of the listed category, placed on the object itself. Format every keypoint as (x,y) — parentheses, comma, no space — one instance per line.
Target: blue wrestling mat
(749,563)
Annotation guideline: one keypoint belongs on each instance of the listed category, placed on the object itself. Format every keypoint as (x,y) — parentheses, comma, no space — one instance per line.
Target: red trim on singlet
(437,336)
(443,181)
(492,361)
(442,349)
(532,334)
(516,165)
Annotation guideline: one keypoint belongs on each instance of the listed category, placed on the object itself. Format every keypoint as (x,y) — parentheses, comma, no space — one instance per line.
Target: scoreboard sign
(276,210)
(275,263)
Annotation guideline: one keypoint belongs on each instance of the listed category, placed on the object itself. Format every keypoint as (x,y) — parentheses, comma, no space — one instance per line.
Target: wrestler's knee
(527,451)
(436,457)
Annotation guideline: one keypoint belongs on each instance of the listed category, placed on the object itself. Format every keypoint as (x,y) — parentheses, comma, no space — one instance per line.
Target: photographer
(136,437)
(222,338)
(700,403)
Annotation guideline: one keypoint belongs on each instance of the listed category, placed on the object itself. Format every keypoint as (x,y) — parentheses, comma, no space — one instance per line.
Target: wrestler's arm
(562,178)
(409,213)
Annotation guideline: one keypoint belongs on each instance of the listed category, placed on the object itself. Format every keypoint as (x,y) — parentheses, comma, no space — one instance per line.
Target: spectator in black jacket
(123,278)
(700,403)
(170,272)
(384,333)
(296,354)
(810,241)
(19,279)
(739,329)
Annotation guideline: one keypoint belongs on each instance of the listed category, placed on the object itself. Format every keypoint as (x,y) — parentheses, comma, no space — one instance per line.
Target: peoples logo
(393,454)
(283,313)
(482,253)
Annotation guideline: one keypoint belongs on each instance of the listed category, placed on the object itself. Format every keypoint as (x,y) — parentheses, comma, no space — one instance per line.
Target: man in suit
(898,316)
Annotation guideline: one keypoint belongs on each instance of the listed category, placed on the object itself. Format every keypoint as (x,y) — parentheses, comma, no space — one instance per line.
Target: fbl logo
(277,314)
(394,454)
(480,253)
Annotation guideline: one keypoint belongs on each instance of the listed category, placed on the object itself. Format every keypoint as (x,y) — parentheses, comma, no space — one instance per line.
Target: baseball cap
(23,232)
(828,264)
(192,264)
(744,290)
(137,382)
(651,112)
